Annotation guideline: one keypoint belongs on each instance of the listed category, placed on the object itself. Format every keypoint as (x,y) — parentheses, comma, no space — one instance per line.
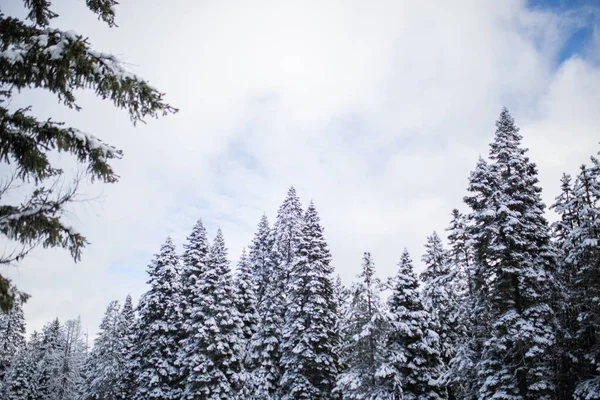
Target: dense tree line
(508,307)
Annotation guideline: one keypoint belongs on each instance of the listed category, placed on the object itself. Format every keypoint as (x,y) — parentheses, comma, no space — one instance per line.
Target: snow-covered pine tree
(364,341)
(569,352)
(246,306)
(12,336)
(443,298)
(584,254)
(216,345)
(156,330)
(260,258)
(273,253)
(514,272)
(265,346)
(194,260)
(246,297)
(460,375)
(341,295)
(414,362)
(22,379)
(105,367)
(72,360)
(49,362)
(288,231)
(59,360)
(309,361)
(127,323)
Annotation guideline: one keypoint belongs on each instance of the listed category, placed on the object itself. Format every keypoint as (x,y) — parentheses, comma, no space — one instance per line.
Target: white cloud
(376,111)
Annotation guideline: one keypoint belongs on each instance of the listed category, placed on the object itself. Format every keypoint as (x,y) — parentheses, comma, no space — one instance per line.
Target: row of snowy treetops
(507,308)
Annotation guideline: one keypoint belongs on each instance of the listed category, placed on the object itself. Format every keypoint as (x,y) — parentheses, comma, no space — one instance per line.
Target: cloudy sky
(375,110)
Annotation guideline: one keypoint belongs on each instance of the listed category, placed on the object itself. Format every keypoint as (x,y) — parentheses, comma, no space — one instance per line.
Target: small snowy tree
(127,323)
(157,328)
(265,347)
(106,366)
(364,341)
(309,360)
(460,375)
(246,298)
(260,258)
(22,378)
(246,305)
(12,336)
(413,358)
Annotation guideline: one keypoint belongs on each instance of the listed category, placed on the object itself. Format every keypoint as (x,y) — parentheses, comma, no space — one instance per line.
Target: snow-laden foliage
(215,346)
(260,258)
(514,272)
(12,337)
(106,369)
(365,332)
(34,55)
(507,310)
(22,381)
(413,357)
(157,329)
(194,264)
(246,297)
(246,304)
(309,360)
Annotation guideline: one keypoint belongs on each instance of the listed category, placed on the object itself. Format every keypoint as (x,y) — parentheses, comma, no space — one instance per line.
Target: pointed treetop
(368,268)
(196,248)
(507,139)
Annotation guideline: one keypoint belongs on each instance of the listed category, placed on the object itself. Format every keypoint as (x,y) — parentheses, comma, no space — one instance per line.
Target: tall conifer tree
(157,330)
(216,343)
(309,360)
(514,272)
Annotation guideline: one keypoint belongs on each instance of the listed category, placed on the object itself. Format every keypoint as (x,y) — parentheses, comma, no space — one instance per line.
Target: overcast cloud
(375,110)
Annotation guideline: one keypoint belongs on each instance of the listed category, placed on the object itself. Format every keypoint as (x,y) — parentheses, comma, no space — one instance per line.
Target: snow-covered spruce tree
(22,379)
(35,55)
(413,347)
(12,336)
(460,375)
(342,297)
(194,260)
(443,297)
(260,258)
(49,361)
(72,360)
(105,367)
(569,352)
(246,305)
(265,347)
(364,337)
(276,253)
(246,297)
(127,323)
(215,347)
(156,330)
(287,231)
(514,269)
(309,361)
(584,254)
(59,360)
